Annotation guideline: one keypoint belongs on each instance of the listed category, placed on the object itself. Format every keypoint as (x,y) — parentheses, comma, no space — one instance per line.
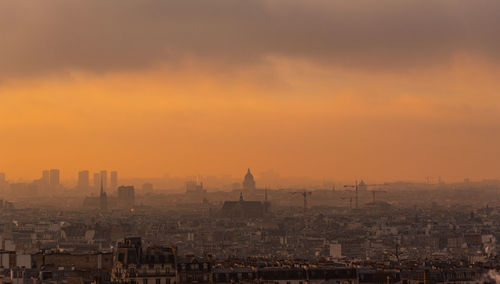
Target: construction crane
(377,191)
(350,201)
(356,186)
(304,193)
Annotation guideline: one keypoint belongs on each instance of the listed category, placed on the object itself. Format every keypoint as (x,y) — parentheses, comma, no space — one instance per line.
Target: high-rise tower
(54,178)
(114,180)
(83,181)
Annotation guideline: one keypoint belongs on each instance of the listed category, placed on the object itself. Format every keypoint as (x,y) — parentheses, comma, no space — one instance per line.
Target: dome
(248,182)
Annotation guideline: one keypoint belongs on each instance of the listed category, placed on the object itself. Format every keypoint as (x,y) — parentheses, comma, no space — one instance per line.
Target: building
(3,182)
(152,265)
(192,269)
(103,200)
(45,177)
(54,179)
(126,197)
(193,187)
(114,180)
(147,187)
(83,181)
(92,260)
(243,209)
(336,250)
(249,182)
(96,181)
(104,179)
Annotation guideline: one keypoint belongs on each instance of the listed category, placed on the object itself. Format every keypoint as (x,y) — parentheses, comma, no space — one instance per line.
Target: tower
(104,179)
(45,178)
(266,203)
(96,181)
(249,182)
(103,199)
(54,178)
(83,180)
(114,180)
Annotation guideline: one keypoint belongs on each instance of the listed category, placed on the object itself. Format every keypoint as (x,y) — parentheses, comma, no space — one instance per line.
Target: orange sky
(317,110)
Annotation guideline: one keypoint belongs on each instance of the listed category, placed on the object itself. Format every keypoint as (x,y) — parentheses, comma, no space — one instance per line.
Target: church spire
(103,199)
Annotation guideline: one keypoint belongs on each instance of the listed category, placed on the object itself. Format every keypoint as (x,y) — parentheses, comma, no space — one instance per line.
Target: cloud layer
(40,37)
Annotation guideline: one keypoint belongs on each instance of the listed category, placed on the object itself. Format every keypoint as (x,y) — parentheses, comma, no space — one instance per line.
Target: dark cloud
(40,37)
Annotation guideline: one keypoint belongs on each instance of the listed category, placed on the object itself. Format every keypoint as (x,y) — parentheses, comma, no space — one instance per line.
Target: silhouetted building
(83,180)
(45,177)
(243,209)
(104,179)
(126,197)
(54,178)
(249,182)
(114,180)
(103,199)
(3,182)
(96,181)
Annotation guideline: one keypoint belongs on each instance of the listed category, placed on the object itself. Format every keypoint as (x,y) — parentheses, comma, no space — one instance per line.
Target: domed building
(249,182)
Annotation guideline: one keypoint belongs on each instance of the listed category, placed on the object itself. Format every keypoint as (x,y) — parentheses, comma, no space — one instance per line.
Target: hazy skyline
(384,90)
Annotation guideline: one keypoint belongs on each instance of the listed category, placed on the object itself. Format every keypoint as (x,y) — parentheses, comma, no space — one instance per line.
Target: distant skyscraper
(114,180)
(46,177)
(83,180)
(3,182)
(54,179)
(96,181)
(104,179)
(249,182)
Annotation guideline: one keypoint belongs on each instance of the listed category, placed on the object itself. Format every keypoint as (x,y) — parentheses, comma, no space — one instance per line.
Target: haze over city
(338,90)
(249,141)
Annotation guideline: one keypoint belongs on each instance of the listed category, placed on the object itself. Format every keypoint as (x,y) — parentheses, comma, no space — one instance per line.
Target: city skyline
(92,180)
(259,141)
(386,90)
